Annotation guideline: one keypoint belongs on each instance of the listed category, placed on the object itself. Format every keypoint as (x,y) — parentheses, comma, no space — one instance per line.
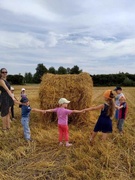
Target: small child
(23,94)
(119,93)
(104,122)
(122,114)
(62,114)
(25,119)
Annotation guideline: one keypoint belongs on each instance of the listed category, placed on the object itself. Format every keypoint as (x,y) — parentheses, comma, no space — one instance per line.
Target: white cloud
(18,40)
(95,35)
(30,8)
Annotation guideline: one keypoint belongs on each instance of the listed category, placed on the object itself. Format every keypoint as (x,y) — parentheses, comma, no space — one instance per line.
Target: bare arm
(2,83)
(49,110)
(43,111)
(120,107)
(16,98)
(101,106)
(77,111)
(38,110)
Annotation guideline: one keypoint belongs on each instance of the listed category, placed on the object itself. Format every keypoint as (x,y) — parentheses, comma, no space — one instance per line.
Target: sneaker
(68,144)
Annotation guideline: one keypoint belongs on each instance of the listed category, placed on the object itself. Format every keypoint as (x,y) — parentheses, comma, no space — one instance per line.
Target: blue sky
(98,36)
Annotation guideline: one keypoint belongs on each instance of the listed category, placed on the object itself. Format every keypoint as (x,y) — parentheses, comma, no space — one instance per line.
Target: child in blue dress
(104,122)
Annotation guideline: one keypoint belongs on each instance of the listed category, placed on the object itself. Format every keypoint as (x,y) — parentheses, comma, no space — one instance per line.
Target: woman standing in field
(7,99)
(104,122)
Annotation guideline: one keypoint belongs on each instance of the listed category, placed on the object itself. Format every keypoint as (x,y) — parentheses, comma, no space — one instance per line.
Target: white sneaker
(68,144)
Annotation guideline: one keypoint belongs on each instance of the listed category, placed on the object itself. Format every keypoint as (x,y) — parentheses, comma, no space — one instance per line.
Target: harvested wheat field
(43,159)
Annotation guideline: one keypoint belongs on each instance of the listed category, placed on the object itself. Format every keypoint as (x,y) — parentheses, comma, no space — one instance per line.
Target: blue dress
(6,100)
(104,123)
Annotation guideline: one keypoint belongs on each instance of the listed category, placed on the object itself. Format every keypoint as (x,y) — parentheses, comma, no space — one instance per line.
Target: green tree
(68,70)
(62,70)
(15,79)
(128,82)
(75,70)
(40,70)
(52,70)
(28,78)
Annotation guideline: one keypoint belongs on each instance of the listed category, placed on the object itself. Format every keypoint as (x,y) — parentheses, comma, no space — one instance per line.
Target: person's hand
(13,99)
(17,102)
(82,111)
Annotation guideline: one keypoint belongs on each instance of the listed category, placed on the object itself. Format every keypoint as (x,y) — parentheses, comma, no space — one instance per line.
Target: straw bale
(76,87)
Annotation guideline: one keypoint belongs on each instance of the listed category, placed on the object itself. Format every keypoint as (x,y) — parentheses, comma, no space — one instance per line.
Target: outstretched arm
(38,110)
(77,111)
(43,111)
(49,110)
(101,106)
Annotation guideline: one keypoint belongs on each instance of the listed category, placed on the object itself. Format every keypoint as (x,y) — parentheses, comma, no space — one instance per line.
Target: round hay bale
(77,88)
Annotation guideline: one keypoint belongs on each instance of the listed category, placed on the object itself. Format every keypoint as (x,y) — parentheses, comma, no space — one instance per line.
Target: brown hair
(111,108)
(2,69)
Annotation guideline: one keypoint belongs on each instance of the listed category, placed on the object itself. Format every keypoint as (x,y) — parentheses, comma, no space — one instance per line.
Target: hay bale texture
(77,88)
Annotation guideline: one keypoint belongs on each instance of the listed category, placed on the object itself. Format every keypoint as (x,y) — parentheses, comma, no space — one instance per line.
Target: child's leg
(93,136)
(104,136)
(121,123)
(66,135)
(60,133)
(118,124)
(25,123)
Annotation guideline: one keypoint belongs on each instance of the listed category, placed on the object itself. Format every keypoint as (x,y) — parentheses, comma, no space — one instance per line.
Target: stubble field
(43,159)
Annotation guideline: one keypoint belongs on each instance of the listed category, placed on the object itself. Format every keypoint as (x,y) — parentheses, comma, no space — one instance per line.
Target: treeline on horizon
(120,79)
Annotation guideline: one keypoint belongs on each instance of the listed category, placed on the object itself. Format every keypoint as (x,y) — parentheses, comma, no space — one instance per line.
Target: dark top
(26,111)
(6,100)
(104,123)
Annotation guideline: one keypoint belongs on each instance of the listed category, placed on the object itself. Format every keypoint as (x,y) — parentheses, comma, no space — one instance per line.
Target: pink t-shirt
(62,114)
